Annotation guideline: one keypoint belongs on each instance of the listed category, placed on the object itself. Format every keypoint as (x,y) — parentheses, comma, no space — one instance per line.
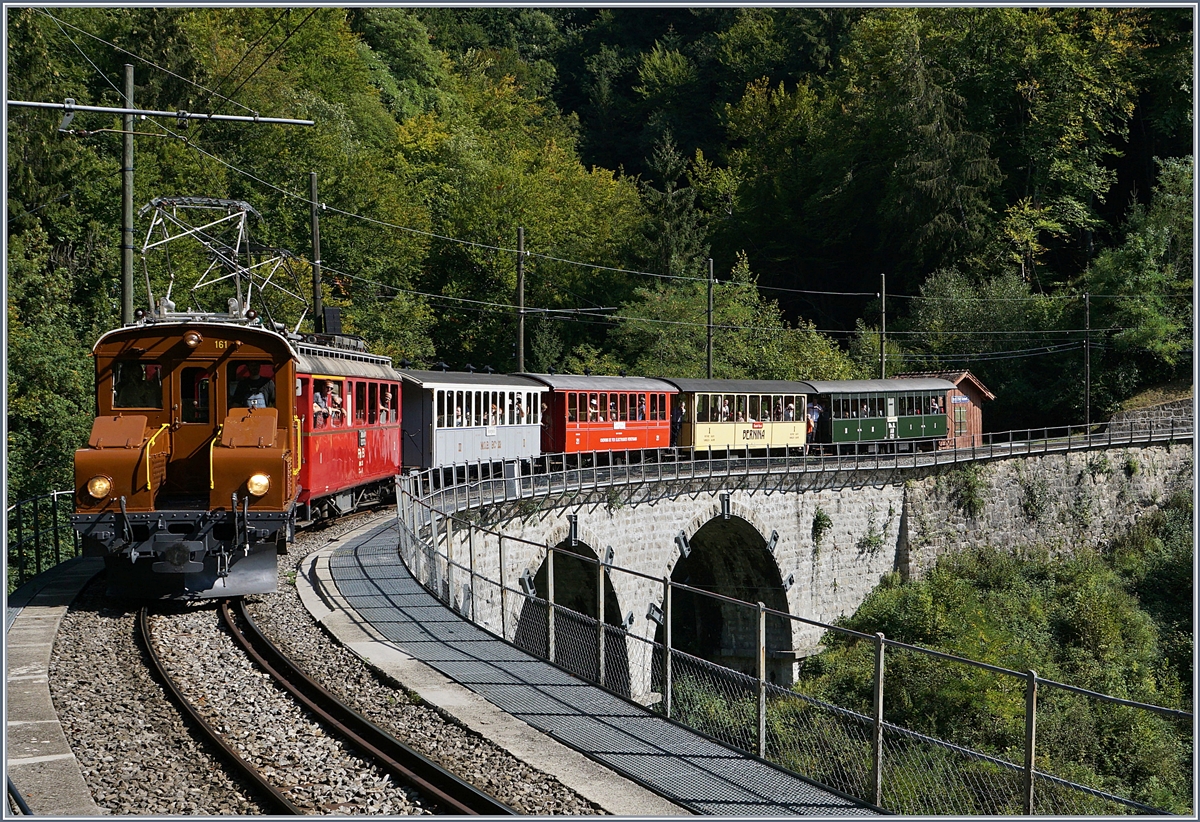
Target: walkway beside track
(364,595)
(38,758)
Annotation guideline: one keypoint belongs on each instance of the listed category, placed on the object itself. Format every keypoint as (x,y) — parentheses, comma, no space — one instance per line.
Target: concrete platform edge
(38,757)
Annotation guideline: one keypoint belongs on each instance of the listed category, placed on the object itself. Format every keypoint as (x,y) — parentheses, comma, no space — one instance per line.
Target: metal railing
(40,536)
(866,748)
(457,488)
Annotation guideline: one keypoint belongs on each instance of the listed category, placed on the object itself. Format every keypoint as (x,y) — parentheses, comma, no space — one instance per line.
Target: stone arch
(576,613)
(730,557)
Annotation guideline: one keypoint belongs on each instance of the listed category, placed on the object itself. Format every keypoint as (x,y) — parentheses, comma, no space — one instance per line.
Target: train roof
(581,382)
(889,386)
(740,386)
(331,362)
(472,379)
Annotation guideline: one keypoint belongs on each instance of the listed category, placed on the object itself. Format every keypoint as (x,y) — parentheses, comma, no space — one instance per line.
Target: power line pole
(318,305)
(520,299)
(710,309)
(1087,361)
(882,326)
(127,204)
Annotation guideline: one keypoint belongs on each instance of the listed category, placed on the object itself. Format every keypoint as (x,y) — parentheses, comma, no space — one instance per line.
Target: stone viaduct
(809,540)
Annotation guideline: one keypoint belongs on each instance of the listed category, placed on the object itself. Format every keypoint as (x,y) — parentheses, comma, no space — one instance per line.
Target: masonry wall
(1064,501)
(1179,412)
(886,521)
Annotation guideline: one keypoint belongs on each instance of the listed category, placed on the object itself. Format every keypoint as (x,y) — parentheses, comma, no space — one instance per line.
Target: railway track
(441,790)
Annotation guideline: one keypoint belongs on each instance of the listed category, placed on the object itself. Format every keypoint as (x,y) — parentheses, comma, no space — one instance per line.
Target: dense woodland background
(996,164)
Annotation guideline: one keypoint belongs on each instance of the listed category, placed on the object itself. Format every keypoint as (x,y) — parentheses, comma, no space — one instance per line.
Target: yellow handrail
(296,466)
(212,482)
(150,442)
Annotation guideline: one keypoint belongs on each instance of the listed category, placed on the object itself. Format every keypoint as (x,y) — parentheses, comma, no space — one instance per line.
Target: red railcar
(350,431)
(586,414)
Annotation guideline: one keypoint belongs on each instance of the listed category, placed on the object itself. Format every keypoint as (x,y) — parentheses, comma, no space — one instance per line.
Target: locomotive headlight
(192,339)
(99,486)
(258,484)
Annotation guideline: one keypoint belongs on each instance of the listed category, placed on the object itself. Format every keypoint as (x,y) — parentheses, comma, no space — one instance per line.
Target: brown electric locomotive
(195,468)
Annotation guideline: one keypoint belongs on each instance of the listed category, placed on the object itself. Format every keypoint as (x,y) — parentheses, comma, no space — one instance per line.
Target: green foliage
(1119,623)
(664,333)
(873,539)
(820,526)
(967,490)
(1035,497)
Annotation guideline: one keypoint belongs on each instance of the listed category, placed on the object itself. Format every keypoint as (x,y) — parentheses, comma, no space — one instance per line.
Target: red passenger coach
(604,414)
(350,427)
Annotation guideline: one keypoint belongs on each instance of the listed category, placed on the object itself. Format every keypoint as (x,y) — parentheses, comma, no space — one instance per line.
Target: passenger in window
(725,410)
(256,391)
(677,416)
(641,411)
(790,413)
(320,404)
(385,407)
(593,410)
(459,422)
(337,411)
(494,416)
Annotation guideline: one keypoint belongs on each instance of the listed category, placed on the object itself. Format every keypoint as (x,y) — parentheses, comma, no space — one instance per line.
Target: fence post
(37,537)
(503,591)
(600,621)
(877,731)
(54,517)
(20,548)
(762,680)
(1030,737)
(451,527)
(549,602)
(471,563)
(668,678)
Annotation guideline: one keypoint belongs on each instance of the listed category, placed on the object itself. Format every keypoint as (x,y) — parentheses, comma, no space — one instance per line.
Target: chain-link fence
(1000,741)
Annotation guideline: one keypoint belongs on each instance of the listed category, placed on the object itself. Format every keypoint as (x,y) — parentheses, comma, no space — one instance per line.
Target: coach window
(360,402)
(701,408)
(572,410)
(372,403)
(623,407)
(193,389)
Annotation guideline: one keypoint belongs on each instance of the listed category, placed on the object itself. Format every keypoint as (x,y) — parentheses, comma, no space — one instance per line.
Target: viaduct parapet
(812,544)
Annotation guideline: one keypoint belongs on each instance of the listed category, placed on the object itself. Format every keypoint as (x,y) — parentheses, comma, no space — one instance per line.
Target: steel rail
(281,804)
(454,795)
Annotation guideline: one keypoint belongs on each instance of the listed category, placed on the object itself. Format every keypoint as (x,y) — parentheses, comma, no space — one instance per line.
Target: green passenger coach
(878,411)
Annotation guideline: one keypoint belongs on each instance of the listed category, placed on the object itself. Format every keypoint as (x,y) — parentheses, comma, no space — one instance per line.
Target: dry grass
(1167,392)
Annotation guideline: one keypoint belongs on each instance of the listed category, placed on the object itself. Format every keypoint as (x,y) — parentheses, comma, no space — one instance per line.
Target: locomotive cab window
(251,384)
(137,385)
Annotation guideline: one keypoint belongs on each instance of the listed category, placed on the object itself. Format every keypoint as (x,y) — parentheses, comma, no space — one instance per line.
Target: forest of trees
(997,164)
